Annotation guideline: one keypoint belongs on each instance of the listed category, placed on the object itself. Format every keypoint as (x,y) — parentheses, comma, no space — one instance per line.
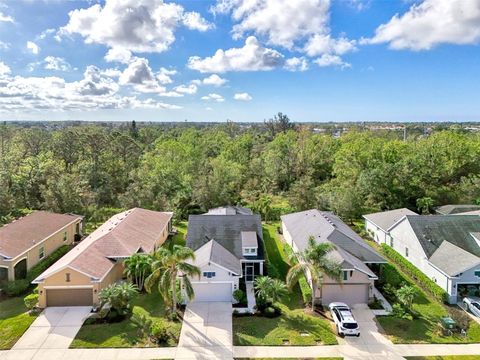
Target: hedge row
(19,287)
(422,280)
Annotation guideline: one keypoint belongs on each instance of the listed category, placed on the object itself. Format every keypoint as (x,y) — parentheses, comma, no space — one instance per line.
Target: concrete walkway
(55,328)
(206,332)
(251,297)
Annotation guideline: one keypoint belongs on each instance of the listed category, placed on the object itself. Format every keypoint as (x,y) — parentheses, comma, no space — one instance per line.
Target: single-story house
(228,249)
(446,248)
(26,241)
(377,224)
(351,252)
(79,276)
(456,209)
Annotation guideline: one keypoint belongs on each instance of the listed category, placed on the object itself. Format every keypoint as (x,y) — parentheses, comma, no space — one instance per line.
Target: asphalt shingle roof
(385,219)
(216,253)
(456,209)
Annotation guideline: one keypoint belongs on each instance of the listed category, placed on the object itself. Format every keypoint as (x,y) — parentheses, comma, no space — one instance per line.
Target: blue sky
(244,60)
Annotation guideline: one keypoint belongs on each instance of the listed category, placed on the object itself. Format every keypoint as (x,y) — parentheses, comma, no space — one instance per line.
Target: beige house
(26,241)
(78,277)
(357,282)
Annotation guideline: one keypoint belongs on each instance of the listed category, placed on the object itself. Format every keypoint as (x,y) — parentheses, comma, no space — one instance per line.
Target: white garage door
(212,292)
(349,294)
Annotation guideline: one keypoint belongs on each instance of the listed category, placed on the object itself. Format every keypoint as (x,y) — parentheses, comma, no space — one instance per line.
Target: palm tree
(137,268)
(314,260)
(166,265)
(270,290)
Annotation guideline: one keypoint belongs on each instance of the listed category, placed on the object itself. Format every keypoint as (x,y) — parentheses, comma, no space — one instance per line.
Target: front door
(249,273)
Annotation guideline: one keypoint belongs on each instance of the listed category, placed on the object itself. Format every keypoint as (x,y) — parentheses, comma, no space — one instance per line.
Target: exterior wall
(59,280)
(50,244)
(355,277)
(467,277)
(288,238)
(378,234)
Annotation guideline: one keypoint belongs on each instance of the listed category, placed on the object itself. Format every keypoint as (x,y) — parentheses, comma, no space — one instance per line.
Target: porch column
(261,268)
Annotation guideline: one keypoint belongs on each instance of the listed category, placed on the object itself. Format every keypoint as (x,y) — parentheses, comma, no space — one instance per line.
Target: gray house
(228,249)
(350,250)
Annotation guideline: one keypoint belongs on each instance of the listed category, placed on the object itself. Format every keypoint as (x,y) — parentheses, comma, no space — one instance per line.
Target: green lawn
(295,325)
(124,334)
(14,321)
(179,238)
(453,357)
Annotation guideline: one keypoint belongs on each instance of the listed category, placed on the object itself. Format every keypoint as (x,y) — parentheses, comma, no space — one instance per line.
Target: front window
(406,252)
(65,237)
(41,253)
(249,251)
(477,273)
(345,275)
(209,274)
(67,277)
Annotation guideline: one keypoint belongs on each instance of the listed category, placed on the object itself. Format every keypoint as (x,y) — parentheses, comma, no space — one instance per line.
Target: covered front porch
(251,269)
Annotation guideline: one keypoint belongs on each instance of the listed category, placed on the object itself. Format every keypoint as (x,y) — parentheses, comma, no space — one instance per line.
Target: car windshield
(477,305)
(350,325)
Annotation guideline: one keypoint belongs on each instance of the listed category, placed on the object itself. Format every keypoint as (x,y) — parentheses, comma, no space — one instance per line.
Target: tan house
(26,241)
(77,278)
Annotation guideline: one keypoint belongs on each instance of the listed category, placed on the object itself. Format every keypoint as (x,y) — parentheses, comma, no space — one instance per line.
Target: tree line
(273,168)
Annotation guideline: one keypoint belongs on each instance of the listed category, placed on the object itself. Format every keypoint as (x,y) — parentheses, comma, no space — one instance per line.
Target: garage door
(69,297)
(349,294)
(212,292)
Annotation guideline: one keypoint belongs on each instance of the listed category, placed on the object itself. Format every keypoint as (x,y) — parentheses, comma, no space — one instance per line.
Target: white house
(446,248)
(377,224)
(350,251)
(228,249)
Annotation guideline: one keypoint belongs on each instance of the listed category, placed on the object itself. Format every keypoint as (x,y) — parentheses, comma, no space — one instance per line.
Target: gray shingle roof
(229,210)
(384,220)
(456,209)
(325,226)
(433,230)
(452,259)
(216,253)
(226,230)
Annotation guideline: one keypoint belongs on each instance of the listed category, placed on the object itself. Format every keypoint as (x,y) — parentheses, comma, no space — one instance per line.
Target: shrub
(159,331)
(16,287)
(239,296)
(398,311)
(141,320)
(420,278)
(305,289)
(31,301)
(270,312)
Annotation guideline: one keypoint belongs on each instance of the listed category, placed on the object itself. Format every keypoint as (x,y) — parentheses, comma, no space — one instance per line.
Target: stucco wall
(50,244)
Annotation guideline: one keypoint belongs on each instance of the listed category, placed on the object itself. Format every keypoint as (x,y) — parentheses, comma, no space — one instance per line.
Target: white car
(472,305)
(344,320)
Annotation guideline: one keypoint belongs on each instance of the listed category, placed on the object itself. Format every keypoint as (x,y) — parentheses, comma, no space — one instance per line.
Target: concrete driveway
(206,332)
(55,328)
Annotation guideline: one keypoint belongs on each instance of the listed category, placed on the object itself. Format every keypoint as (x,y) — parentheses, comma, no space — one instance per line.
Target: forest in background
(273,168)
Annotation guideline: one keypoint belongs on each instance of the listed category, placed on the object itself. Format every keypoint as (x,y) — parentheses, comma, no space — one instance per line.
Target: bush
(16,287)
(141,320)
(239,296)
(305,289)
(420,278)
(398,311)
(159,332)
(270,312)
(31,301)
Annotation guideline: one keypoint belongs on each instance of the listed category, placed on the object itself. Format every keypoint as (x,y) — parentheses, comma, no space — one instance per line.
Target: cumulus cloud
(4,45)
(296,64)
(194,21)
(214,80)
(251,57)
(331,60)
(141,77)
(4,68)
(94,91)
(213,97)
(56,63)
(242,96)
(430,23)
(325,44)
(5,18)
(134,25)
(32,47)
(280,22)
(164,76)
(118,55)
(186,89)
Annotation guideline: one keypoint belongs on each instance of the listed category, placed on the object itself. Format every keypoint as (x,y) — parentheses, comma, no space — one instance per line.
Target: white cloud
(208,108)
(118,55)
(214,80)
(194,21)
(141,77)
(325,44)
(112,73)
(46,33)
(4,68)
(134,25)
(281,22)
(5,18)
(430,23)
(164,76)
(213,97)
(331,60)
(251,57)
(242,96)
(4,45)
(56,63)
(296,64)
(187,89)
(34,48)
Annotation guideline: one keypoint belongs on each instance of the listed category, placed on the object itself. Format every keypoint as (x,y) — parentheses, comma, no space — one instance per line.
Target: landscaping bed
(124,333)
(296,325)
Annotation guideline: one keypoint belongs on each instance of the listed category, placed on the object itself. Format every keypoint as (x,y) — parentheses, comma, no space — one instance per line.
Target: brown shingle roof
(28,231)
(121,236)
